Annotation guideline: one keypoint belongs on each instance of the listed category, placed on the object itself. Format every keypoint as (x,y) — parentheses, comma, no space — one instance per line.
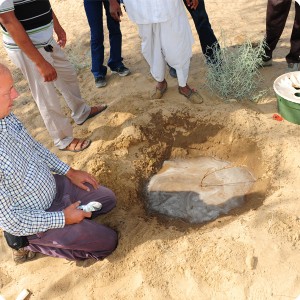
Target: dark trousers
(87,239)
(94,13)
(206,34)
(277,13)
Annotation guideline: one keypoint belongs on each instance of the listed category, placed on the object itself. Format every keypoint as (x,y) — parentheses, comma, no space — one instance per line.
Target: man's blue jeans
(94,13)
(203,27)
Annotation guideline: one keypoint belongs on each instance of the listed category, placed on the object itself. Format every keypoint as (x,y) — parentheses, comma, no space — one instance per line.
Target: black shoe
(100,82)
(267,63)
(122,71)
(172,72)
(266,60)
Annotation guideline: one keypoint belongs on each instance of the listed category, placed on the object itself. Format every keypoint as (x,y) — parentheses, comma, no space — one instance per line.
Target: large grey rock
(198,189)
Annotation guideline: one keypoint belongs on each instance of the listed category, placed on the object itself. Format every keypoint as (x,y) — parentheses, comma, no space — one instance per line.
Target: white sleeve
(6,6)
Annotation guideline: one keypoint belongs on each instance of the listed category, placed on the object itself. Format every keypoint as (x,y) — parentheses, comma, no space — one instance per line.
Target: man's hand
(21,38)
(80,177)
(47,71)
(115,10)
(73,215)
(192,3)
(61,34)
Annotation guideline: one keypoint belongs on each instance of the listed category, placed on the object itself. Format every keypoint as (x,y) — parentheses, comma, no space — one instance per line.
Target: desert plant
(234,71)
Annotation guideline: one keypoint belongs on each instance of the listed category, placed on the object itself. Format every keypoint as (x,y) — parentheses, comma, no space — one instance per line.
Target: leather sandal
(95,110)
(21,255)
(192,95)
(77,145)
(159,92)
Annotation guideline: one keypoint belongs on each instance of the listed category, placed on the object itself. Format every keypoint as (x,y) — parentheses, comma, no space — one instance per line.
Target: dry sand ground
(252,253)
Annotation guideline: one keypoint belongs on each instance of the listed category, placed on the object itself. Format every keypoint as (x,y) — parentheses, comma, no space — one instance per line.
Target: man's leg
(177,40)
(152,50)
(176,44)
(94,13)
(46,98)
(206,34)
(293,56)
(78,241)
(67,84)
(277,13)
(115,40)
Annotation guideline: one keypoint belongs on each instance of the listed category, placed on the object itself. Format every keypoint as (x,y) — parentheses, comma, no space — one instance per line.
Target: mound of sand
(251,253)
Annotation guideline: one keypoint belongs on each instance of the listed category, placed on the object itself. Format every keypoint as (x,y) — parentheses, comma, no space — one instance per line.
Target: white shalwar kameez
(166,35)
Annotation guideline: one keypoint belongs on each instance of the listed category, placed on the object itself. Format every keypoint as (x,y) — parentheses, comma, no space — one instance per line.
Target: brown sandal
(77,145)
(192,95)
(159,92)
(21,255)
(95,110)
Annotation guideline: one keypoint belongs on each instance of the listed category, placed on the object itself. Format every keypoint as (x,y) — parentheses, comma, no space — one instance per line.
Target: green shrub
(233,74)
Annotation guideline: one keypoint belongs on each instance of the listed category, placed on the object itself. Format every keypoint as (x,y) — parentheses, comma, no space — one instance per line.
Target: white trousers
(46,96)
(168,42)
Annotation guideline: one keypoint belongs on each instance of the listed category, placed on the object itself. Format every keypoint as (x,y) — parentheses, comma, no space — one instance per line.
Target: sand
(250,253)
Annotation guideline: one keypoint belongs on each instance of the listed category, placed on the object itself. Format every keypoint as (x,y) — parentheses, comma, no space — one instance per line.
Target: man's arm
(23,222)
(115,10)
(21,38)
(192,3)
(61,34)
(77,177)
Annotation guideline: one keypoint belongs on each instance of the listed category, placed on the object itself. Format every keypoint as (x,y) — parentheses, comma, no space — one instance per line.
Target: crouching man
(40,195)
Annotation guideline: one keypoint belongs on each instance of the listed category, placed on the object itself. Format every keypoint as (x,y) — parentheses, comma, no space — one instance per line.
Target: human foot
(21,255)
(77,145)
(95,110)
(160,89)
(191,94)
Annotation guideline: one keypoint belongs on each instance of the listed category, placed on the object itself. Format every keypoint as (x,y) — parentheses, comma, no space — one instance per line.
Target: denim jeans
(94,13)
(203,27)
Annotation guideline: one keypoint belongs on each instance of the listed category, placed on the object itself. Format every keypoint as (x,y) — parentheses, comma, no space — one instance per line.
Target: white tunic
(166,35)
(153,11)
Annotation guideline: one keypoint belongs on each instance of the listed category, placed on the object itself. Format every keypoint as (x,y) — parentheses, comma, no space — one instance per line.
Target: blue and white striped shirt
(27,185)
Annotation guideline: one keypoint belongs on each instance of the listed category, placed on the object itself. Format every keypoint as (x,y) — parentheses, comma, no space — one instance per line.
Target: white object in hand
(90,207)
(23,295)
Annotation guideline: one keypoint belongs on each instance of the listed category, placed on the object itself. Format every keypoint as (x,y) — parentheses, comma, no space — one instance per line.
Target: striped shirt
(36,18)
(27,185)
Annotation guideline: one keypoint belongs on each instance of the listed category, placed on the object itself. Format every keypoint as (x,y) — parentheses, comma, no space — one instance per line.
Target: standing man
(277,13)
(166,39)
(42,207)
(28,39)
(94,13)
(206,34)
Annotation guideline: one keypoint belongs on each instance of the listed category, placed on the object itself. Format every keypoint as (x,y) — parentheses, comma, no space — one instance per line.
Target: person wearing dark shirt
(28,40)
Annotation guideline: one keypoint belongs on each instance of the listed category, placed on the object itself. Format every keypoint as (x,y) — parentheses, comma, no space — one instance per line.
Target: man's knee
(107,197)
(112,242)
(111,197)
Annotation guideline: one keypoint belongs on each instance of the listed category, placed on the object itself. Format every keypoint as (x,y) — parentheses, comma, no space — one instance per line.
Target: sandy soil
(251,253)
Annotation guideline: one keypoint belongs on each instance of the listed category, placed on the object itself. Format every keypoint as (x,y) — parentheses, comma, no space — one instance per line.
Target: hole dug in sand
(202,172)
(198,189)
